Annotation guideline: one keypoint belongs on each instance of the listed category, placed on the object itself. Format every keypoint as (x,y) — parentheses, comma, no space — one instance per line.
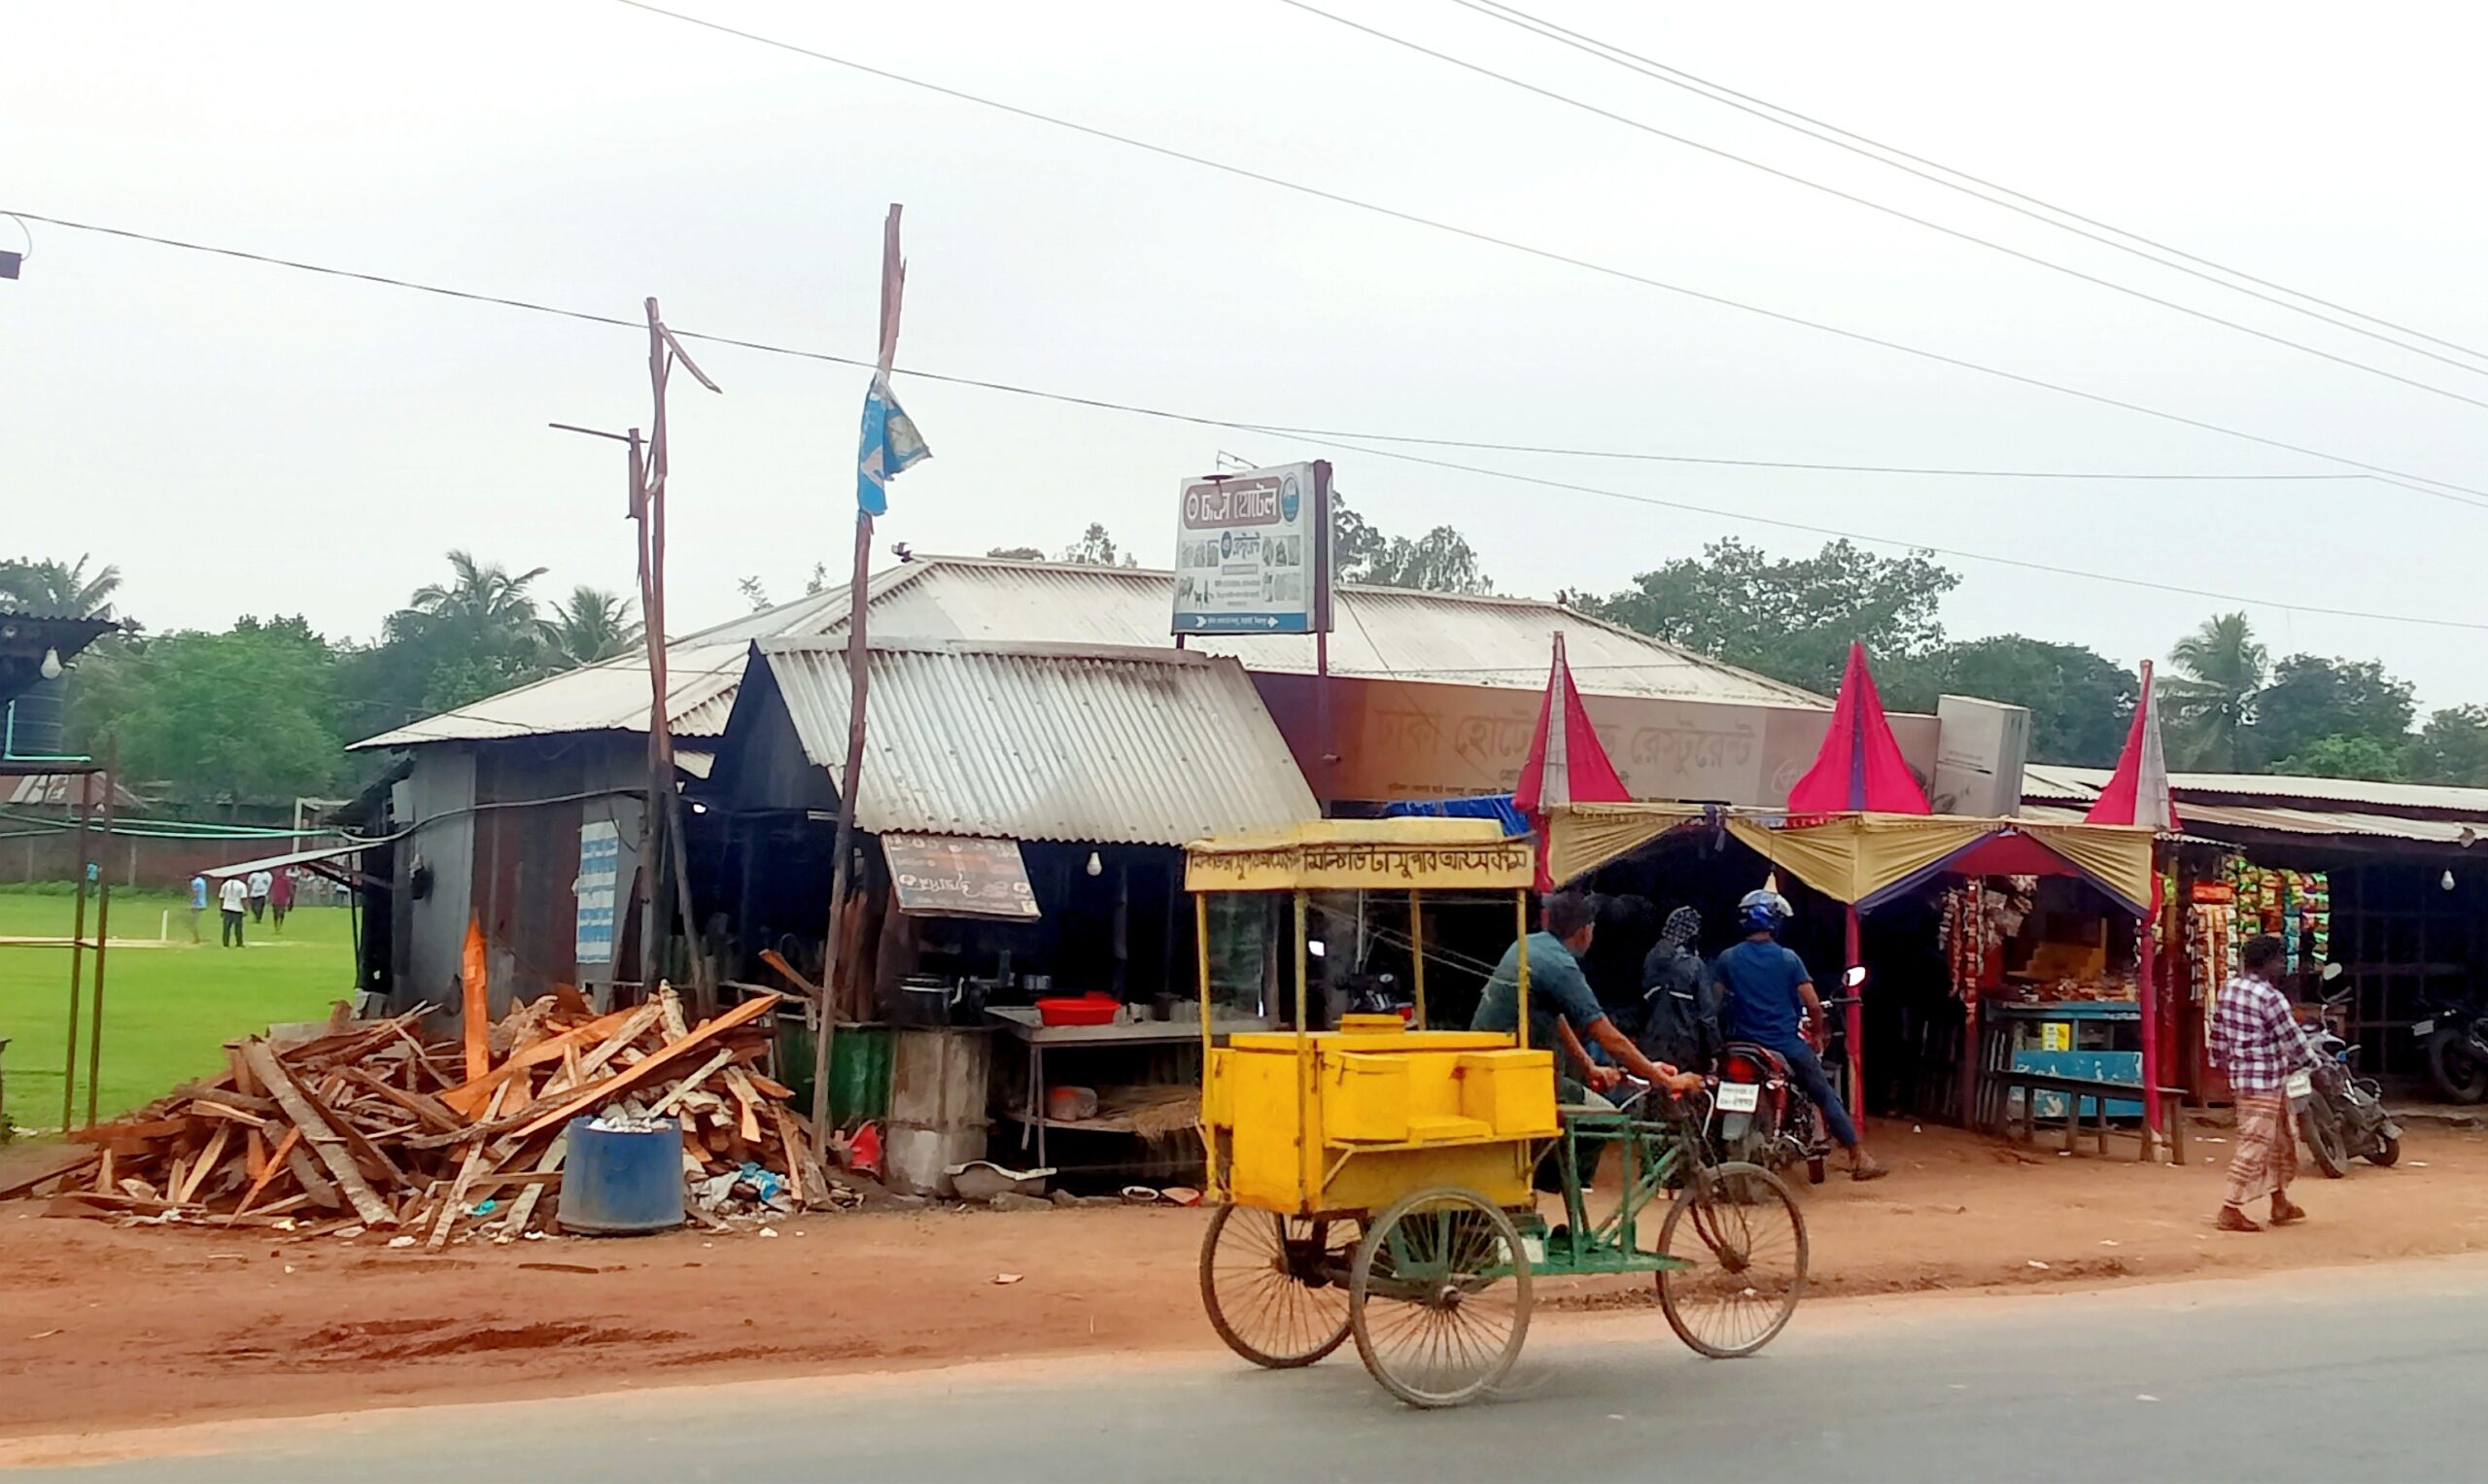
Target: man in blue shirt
(1768,996)
(1564,1015)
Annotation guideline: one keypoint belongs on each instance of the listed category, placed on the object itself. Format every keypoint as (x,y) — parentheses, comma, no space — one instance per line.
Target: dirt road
(102,1327)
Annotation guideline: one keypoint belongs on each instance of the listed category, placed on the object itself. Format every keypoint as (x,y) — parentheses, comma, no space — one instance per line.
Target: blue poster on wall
(599,878)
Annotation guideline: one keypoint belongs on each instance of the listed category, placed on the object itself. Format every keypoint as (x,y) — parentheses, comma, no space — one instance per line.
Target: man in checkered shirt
(2257,1045)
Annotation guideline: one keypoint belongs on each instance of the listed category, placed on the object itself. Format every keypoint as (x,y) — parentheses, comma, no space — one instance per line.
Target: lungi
(2265,1160)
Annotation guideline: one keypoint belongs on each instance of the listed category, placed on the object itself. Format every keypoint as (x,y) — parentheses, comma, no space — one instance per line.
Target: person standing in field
(235,899)
(198,903)
(262,883)
(281,897)
(2257,1045)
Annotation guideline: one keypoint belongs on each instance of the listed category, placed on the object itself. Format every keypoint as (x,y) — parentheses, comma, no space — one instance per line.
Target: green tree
(247,715)
(1096,548)
(2311,698)
(2219,673)
(592,624)
(54,589)
(2345,757)
(453,643)
(1441,561)
(1789,619)
(2451,748)
(2079,700)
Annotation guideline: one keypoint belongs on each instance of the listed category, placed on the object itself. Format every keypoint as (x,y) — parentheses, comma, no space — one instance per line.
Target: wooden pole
(103,926)
(858,681)
(1417,953)
(77,951)
(2147,991)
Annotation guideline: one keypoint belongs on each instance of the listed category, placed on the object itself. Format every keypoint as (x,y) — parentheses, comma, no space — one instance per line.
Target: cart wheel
(1739,1227)
(1440,1298)
(1276,1286)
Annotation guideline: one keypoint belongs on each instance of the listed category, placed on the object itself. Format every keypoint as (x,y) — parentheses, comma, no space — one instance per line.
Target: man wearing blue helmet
(1770,996)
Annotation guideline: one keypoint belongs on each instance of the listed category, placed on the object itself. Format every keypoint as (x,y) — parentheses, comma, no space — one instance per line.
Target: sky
(246,439)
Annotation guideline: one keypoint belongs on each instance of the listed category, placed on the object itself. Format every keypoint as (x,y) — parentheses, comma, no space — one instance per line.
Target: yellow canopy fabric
(1847,857)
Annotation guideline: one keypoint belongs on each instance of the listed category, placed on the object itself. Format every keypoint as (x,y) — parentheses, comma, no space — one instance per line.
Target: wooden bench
(2000,1085)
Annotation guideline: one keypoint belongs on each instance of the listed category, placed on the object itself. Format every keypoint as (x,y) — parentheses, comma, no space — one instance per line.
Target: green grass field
(168,1010)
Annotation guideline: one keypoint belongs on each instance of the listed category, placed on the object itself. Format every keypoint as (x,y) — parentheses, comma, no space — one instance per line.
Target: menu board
(960,876)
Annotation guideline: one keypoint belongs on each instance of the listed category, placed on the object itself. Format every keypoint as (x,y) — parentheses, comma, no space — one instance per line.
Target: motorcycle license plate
(2423,1028)
(1738,1097)
(2300,1084)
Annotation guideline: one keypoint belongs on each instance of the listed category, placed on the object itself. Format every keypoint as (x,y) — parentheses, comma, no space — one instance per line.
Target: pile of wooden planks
(372,1126)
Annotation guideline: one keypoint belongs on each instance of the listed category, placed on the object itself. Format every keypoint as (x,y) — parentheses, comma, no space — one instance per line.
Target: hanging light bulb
(1097,867)
(49,669)
(2447,880)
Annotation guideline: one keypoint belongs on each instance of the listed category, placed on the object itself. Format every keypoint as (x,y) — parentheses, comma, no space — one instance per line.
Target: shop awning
(1866,859)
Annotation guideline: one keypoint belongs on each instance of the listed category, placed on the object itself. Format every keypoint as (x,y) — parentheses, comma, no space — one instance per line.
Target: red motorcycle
(1762,1116)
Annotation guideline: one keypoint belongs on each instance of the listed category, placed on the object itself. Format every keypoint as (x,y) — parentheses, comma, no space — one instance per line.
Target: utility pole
(882,456)
(662,850)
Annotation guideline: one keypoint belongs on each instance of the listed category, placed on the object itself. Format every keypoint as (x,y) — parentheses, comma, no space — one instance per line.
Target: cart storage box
(1511,1091)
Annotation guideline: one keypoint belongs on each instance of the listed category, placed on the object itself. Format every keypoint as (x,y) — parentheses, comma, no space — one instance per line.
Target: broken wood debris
(399,1132)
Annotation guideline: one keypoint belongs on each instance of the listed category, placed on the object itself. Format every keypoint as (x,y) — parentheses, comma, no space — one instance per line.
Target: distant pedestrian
(262,883)
(198,903)
(2257,1045)
(281,897)
(235,899)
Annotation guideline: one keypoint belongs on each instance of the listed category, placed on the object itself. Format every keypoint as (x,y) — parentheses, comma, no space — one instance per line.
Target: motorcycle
(2456,1034)
(1763,1116)
(2340,1116)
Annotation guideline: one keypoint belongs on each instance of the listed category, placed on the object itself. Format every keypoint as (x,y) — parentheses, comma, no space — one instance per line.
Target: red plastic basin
(1079,1010)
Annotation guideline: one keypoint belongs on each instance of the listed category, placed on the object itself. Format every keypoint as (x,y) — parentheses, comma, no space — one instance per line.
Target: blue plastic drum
(618,1184)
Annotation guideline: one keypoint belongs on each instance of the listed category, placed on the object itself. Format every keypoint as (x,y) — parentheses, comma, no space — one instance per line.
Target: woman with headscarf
(1681,1024)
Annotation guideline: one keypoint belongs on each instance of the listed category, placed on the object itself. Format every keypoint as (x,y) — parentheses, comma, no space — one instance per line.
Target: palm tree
(484,599)
(2220,670)
(594,625)
(55,589)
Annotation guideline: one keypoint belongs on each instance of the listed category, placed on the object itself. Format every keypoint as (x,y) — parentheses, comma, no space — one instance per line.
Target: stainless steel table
(1021,1022)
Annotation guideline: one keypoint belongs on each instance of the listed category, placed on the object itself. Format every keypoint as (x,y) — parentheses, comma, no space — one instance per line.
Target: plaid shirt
(2255,1040)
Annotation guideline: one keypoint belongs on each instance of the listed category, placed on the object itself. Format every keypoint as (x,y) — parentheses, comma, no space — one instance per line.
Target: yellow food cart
(1376,1179)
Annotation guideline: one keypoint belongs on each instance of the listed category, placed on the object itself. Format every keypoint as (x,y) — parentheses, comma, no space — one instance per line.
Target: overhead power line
(1549,254)
(1978,187)
(1351,443)
(590,317)
(1894,212)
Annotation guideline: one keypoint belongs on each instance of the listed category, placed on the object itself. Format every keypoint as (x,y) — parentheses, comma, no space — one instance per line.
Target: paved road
(2351,1374)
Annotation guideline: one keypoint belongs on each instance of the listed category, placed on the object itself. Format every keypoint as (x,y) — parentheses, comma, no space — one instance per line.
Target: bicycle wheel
(1272,1285)
(1440,1298)
(1739,1227)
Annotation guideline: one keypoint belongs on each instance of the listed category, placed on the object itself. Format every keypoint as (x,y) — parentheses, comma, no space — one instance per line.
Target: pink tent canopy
(1860,766)
(1567,763)
(2137,792)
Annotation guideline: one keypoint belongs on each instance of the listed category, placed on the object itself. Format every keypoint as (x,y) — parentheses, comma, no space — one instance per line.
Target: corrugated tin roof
(1039,741)
(2052,793)
(2058,784)
(1382,633)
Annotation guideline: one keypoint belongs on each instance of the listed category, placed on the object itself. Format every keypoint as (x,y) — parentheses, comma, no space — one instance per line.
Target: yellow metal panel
(1364,1098)
(1338,854)
(1369,1181)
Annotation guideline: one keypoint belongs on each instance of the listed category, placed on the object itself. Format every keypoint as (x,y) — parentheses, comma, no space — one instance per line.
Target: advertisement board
(1253,552)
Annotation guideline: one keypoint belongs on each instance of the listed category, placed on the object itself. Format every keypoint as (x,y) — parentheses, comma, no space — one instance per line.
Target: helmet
(1762,912)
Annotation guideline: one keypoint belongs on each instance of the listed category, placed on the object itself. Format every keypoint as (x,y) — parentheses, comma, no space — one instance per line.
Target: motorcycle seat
(1759,1055)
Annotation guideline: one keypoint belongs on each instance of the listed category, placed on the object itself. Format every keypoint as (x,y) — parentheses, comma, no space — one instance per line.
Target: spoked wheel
(1440,1298)
(1276,1286)
(1739,1226)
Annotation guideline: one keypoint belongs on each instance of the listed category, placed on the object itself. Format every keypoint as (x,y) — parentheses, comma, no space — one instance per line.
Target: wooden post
(1520,991)
(77,951)
(1853,1022)
(103,926)
(858,682)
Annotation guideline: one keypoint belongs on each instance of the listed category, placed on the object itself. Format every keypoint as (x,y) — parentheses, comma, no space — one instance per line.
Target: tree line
(260,712)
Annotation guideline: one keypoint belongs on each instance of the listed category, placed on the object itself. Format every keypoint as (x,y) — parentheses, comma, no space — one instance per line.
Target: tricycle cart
(1376,1180)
